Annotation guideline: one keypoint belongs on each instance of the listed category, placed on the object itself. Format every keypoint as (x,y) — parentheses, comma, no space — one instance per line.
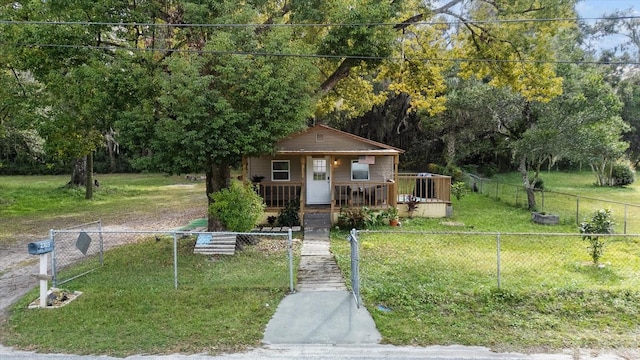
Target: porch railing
(277,194)
(424,187)
(371,194)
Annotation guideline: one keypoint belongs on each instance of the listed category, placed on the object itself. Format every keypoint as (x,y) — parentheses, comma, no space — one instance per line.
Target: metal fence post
(498,258)
(625,219)
(290,245)
(355,267)
(101,242)
(175,260)
(54,275)
(578,210)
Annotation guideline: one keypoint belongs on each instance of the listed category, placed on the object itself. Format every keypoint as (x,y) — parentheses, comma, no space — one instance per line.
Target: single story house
(326,169)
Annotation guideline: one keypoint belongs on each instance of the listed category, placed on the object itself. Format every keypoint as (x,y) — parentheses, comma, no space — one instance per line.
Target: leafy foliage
(238,207)
(412,203)
(363,217)
(290,215)
(601,223)
(622,174)
(459,189)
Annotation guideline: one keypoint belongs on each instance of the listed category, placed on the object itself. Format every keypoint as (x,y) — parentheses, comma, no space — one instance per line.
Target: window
(359,171)
(319,169)
(280,170)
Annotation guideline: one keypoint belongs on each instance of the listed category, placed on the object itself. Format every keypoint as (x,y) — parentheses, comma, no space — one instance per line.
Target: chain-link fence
(80,251)
(570,208)
(78,244)
(396,263)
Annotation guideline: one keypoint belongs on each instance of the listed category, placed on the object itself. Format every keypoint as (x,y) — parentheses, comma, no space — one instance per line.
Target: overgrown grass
(129,306)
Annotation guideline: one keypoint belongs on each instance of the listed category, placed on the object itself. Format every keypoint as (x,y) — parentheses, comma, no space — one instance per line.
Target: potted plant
(392,214)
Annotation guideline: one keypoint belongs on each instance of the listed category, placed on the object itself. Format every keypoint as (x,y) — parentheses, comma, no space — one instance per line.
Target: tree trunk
(528,186)
(79,174)
(450,141)
(218,177)
(89,178)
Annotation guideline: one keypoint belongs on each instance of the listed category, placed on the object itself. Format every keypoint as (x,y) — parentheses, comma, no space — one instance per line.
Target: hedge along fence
(570,208)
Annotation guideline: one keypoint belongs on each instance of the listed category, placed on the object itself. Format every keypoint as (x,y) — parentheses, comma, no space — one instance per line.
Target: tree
(214,109)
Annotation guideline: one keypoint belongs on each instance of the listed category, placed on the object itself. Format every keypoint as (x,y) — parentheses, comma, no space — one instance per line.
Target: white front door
(318,180)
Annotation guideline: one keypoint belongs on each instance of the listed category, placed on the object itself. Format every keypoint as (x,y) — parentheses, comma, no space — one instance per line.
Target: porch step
(212,244)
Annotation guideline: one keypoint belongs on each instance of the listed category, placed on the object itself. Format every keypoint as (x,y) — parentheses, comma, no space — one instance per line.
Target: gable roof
(322,139)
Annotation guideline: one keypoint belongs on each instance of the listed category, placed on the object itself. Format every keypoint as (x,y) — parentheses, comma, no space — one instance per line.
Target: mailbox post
(42,248)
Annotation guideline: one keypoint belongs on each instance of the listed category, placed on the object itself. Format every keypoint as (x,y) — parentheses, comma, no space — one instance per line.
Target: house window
(359,171)
(319,169)
(280,170)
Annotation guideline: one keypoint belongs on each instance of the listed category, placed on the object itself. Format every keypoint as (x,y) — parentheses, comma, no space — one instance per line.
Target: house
(327,169)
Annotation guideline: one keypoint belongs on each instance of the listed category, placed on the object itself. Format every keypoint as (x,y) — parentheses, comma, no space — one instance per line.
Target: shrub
(538,184)
(622,174)
(412,203)
(290,215)
(238,208)
(360,218)
(459,189)
(601,223)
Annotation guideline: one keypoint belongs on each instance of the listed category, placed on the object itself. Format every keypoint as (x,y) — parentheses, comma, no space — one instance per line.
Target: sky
(595,8)
(589,9)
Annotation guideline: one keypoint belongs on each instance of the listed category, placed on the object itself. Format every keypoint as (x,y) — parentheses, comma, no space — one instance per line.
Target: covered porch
(323,170)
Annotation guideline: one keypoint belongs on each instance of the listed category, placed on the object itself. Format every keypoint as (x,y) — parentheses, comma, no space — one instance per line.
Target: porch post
(394,194)
(245,170)
(332,161)
(303,186)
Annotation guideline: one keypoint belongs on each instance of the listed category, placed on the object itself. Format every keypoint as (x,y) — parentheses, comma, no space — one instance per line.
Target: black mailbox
(40,247)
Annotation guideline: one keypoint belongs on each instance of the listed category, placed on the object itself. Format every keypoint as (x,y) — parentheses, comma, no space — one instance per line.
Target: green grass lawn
(426,283)
(35,204)
(129,306)
(441,289)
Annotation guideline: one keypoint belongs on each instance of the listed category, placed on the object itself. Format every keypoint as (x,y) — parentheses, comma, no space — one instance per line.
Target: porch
(431,190)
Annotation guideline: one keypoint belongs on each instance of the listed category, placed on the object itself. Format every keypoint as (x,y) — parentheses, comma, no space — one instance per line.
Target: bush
(238,208)
(289,216)
(622,174)
(601,223)
(361,218)
(459,189)
(538,184)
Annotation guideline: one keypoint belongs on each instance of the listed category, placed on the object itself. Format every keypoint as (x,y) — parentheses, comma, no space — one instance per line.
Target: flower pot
(393,222)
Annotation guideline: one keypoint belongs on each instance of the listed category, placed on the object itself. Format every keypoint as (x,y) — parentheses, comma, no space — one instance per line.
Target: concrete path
(322,311)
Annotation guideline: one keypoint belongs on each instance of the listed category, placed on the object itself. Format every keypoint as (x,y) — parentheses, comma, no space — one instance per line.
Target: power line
(327,56)
(256,25)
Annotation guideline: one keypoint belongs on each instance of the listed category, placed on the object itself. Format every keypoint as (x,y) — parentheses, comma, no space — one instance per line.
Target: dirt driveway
(16,265)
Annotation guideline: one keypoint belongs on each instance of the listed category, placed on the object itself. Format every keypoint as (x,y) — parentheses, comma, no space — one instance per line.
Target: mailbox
(40,247)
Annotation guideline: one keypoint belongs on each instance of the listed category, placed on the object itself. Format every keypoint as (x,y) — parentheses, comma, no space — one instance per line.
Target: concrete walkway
(322,311)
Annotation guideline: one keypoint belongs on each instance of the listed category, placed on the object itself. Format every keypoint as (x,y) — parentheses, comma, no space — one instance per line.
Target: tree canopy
(193,85)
